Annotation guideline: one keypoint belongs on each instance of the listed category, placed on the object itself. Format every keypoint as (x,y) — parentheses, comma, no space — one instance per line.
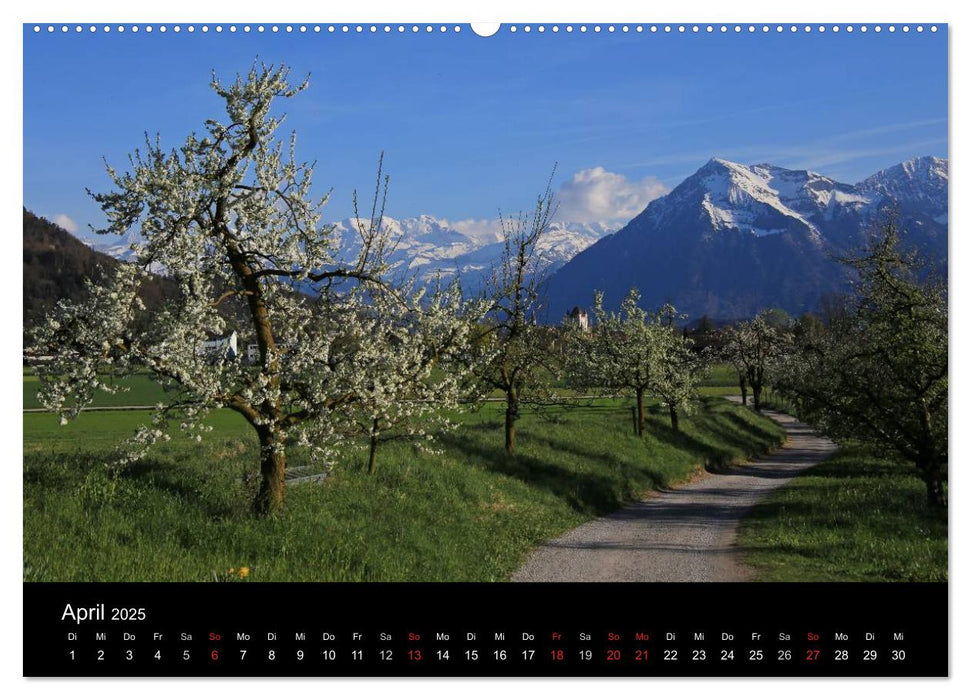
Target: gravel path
(686,534)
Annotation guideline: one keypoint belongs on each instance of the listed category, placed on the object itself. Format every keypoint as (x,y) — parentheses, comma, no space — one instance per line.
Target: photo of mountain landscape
(377,304)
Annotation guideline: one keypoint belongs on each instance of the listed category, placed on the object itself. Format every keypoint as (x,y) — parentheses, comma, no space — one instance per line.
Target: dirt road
(686,534)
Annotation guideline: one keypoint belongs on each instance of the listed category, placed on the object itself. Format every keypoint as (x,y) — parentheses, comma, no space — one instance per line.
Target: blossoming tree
(230,217)
(411,370)
(753,347)
(513,351)
(634,352)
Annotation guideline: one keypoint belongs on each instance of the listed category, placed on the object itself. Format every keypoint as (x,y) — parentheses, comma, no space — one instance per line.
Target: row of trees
(638,353)
(873,369)
(878,371)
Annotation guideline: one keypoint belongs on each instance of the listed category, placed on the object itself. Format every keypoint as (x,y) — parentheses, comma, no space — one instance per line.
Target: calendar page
(524,349)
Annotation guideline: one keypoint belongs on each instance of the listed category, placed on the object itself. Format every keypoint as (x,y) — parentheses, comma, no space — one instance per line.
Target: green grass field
(853,517)
(470,513)
(722,380)
(140,390)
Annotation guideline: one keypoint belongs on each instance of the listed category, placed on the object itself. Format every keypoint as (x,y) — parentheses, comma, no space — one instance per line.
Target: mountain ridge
(732,239)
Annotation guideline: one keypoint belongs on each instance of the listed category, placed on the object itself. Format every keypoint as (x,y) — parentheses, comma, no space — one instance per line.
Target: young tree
(410,368)
(514,350)
(229,217)
(879,372)
(752,347)
(624,352)
(679,368)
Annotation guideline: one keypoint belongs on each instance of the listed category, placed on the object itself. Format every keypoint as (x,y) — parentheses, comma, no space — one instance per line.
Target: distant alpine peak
(924,168)
(921,182)
(764,199)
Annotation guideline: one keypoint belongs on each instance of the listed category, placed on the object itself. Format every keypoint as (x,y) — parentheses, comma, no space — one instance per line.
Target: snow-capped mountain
(427,247)
(733,239)
(919,184)
(120,250)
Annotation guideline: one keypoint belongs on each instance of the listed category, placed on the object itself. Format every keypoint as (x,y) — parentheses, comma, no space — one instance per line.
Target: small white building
(252,353)
(579,318)
(221,347)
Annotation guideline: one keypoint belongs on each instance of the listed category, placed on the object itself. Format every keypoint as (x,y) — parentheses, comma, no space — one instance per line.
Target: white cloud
(66,223)
(595,194)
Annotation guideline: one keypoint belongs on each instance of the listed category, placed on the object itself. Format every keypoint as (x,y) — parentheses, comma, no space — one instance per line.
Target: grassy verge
(853,517)
(467,513)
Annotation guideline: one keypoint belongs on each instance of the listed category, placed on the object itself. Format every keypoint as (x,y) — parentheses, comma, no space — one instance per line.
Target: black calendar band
(473,629)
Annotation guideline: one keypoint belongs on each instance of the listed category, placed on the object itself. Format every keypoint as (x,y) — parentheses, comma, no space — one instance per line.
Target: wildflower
(243,571)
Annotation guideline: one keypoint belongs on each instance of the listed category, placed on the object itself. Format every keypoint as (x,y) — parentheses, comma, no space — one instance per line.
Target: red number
(613,655)
(812,654)
(557,654)
(215,655)
(640,655)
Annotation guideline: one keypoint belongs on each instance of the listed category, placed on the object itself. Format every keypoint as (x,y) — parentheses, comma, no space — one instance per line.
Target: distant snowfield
(429,247)
(740,196)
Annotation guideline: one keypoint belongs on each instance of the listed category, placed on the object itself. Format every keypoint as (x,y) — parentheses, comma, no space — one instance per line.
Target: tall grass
(854,517)
(468,513)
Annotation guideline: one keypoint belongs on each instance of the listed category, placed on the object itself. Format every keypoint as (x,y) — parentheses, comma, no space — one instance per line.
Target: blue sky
(470,125)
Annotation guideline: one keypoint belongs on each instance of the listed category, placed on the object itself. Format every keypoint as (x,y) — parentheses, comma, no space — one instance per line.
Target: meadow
(857,516)
(467,513)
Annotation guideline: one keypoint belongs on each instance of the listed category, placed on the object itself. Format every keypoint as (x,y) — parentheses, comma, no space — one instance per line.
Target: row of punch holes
(512,28)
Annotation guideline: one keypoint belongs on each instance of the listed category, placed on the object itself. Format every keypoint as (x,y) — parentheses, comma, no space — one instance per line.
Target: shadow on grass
(764,433)
(190,487)
(585,493)
(728,436)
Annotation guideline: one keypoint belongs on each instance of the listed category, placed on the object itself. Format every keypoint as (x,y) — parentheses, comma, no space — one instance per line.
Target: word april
(79,615)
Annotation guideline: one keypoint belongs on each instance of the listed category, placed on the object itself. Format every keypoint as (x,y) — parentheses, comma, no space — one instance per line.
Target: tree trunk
(744,387)
(372,455)
(673,411)
(512,413)
(757,396)
(373,452)
(934,481)
(640,412)
(273,464)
